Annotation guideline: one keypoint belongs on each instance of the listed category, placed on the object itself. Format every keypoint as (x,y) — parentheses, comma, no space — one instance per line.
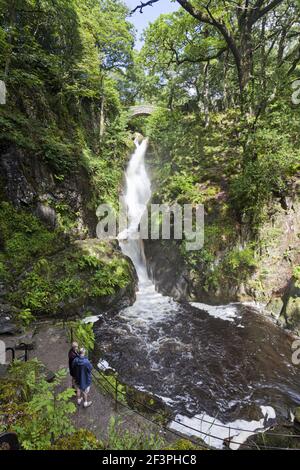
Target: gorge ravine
(211,365)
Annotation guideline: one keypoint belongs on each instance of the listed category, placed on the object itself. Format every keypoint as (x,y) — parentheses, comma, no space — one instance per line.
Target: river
(211,365)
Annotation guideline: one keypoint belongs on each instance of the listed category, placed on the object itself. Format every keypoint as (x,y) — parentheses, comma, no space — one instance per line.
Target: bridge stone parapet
(142,110)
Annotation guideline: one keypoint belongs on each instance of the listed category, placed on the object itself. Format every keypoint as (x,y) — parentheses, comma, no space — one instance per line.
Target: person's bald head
(75,346)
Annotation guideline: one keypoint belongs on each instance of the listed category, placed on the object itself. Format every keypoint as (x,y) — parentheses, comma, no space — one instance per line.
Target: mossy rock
(89,275)
(147,403)
(282,436)
(82,439)
(185,444)
(297,414)
(293,309)
(275,306)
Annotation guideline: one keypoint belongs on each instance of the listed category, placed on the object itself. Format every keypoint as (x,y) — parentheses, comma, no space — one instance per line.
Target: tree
(238,24)
(181,55)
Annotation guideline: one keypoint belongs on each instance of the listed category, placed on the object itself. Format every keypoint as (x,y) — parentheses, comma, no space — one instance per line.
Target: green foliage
(184,444)
(206,136)
(42,292)
(49,412)
(110,277)
(238,264)
(67,218)
(63,66)
(296,275)
(33,407)
(82,333)
(81,439)
(24,238)
(120,439)
(25,317)
(273,160)
(64,281)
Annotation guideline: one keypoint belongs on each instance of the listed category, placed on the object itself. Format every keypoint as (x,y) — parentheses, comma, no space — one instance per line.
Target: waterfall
(137,196)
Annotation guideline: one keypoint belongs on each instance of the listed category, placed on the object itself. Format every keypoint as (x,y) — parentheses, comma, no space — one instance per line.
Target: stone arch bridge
(142,110)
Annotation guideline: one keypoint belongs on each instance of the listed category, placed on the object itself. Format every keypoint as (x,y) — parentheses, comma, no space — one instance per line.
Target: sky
(150,14)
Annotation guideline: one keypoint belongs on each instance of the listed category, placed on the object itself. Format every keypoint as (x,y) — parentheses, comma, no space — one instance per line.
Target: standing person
(72,354)
(83,374)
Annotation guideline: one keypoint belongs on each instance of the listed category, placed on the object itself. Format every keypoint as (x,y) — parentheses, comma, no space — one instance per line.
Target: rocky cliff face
(50,263)
(273,282)
(268,276)
(27,182)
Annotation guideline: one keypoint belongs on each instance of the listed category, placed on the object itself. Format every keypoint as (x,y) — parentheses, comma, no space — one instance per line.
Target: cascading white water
(137,196)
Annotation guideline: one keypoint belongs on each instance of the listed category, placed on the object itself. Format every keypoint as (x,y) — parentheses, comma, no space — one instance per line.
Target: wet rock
(166,268)
(146,402)
(29,182)
(18,189)
(46,214)
(8,327)
(6,310)
(284,435)
(275,306)
(291,307)
(297,415)
(3,370)
(139,137)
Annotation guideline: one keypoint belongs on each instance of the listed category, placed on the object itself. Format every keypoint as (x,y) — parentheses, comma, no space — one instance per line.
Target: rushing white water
(137,196)
(214,432)
(150,306)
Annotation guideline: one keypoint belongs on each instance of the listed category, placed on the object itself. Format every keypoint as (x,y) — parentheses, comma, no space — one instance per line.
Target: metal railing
(24,357)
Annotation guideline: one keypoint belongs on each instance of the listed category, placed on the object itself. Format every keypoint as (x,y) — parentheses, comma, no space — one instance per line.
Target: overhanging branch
(143,5)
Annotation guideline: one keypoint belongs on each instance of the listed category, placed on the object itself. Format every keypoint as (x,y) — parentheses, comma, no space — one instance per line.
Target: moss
(238,264)
(296,275)
(85,271)
(279,437)
(67,219)
(23,239)
(185,444)
(82,439)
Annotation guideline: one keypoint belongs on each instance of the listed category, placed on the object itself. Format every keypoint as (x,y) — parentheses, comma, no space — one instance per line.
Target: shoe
(79,401)
(87,404)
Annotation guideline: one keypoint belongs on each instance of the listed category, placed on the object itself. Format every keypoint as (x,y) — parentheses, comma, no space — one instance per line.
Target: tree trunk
(246,71)
(12,22)
(102,119)
(206,94)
